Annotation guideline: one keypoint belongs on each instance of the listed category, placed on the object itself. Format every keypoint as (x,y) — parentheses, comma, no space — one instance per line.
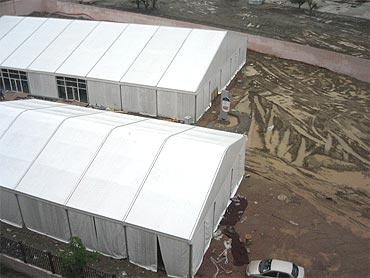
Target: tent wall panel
(175,256)
(104,94)
(82,225)
(9,210)
(45,218)
(42,85)
(111,238)
(175,105)
(198,247)
(140,100)
(142,248)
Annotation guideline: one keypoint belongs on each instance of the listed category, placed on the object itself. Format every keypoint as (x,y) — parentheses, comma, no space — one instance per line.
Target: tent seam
(26,110)
(95,155)
(150,169)
(70,54)
(141,51)
(26,39)
(105,52)
(12,28)
(43,50)
(47,143)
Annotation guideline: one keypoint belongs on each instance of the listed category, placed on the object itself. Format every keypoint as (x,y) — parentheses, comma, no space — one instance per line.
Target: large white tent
(153,70)
(129,187)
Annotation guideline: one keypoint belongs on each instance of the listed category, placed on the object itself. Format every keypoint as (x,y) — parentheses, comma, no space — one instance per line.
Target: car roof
(281,266)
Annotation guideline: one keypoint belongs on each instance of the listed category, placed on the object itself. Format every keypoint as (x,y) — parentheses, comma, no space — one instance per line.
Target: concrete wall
(22,7)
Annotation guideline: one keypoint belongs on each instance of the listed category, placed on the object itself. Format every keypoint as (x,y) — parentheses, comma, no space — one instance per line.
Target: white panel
(105,95)
(191,63)
(82,226)
(156,56)
(198,248)
(42,85)
(111,238)
(138,99)
(91,49)
(59,50)
(9,210)
(45,218)
(10,110)
(133,154)
(175,105)
(26,138)
(118,59)
(18,35)
(175,256)
(142,248)
(56,172)
(7,23)
(35,44)
(171,203)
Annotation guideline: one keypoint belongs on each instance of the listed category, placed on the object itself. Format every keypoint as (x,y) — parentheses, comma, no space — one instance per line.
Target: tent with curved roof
(125,185)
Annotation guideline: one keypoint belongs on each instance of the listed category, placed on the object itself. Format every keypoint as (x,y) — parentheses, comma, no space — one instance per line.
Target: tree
(75,258)
(146,3)
(312,4)
(299,2)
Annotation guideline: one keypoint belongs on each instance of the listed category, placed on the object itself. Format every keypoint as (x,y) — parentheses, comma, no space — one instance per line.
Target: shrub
(299,2)
(75,258)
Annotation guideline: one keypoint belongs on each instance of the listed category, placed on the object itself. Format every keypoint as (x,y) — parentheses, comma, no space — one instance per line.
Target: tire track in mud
(309,131)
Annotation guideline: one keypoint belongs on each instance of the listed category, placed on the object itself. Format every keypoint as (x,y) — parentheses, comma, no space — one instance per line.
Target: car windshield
(265,265)
(295,271)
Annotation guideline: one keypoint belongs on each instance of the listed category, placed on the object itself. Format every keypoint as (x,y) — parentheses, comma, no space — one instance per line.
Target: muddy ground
(308,158)
(338,33)
(308,155)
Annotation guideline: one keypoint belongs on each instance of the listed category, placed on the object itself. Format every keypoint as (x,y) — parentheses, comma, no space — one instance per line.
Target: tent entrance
(160,263)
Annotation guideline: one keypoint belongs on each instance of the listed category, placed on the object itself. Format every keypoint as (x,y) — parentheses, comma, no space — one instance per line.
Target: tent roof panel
(26,138)
(173,194)
(7,23)
(118,59)
(36,43)
(57,170)
(92,49)
(191,63)
(156,56)
(59,50)
(12,40)
(118,182)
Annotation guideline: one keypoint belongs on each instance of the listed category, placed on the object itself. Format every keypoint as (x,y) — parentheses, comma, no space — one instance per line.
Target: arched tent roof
(145,172)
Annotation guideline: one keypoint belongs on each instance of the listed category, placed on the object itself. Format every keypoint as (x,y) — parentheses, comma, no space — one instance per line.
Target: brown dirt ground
(338,33)
(309,140)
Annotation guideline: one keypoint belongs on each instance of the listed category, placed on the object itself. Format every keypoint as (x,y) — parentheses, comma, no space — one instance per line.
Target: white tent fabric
(124,184)
(21,32)
(60,49)
(152,70)
(7,23)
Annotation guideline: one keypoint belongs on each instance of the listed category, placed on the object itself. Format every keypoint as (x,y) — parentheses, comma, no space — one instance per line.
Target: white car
(274,268)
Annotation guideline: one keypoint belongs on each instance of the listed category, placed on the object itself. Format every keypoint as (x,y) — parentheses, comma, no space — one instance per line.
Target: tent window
(14,80)
(72,88)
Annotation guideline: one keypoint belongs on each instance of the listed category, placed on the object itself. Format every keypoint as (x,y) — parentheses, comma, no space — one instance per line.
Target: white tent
(153,70)
(125,185)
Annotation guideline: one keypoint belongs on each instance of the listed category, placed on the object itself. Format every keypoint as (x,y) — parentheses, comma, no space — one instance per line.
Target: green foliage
(299,2)
(75,258)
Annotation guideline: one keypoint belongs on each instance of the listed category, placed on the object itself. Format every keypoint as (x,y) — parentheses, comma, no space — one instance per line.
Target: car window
(284,275)
(271,274)
(264,266)
(295,271)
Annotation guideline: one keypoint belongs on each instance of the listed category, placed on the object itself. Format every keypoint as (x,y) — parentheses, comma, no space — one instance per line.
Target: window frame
(14,80)
(72,88)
